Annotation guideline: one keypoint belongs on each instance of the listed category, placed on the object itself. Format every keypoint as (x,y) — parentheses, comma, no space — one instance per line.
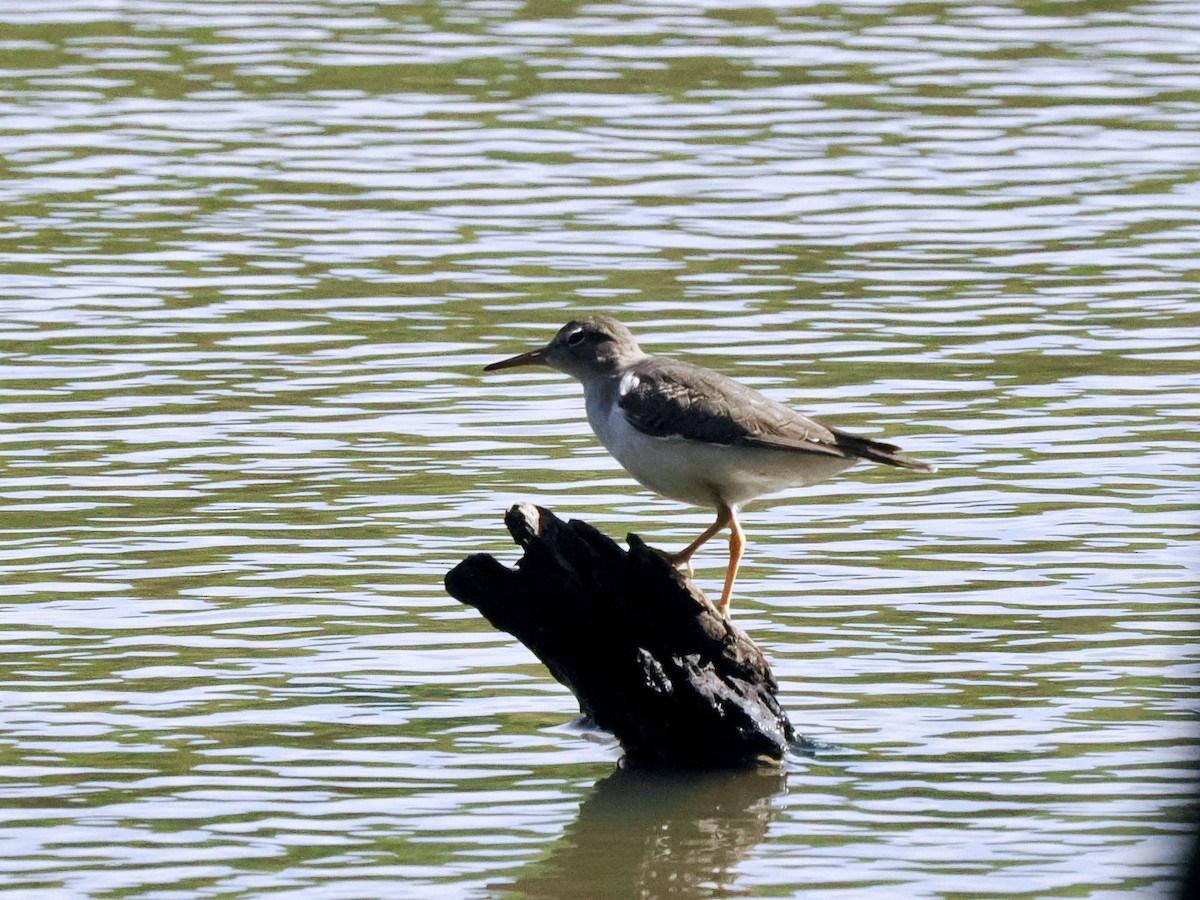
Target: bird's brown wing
(671,398)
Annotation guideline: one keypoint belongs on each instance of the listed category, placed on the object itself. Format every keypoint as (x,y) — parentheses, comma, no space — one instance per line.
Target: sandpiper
(694,435)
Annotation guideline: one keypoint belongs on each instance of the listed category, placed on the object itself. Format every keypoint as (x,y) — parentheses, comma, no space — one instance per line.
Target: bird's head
(590,347)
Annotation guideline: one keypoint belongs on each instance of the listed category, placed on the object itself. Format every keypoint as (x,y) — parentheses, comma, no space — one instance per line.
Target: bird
(694,435)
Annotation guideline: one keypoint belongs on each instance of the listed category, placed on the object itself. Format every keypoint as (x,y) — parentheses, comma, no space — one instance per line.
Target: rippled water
(255,255)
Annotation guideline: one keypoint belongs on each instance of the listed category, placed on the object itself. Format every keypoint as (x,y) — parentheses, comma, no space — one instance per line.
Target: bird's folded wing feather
(670,398)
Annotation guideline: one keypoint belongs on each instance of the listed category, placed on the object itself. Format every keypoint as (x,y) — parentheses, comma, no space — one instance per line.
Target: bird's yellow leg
(737,543)
(684,556)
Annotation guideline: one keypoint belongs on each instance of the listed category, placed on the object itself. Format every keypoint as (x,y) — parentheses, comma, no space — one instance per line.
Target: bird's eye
(575,338)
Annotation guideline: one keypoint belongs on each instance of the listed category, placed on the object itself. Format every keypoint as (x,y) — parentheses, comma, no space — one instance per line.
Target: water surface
(256,255)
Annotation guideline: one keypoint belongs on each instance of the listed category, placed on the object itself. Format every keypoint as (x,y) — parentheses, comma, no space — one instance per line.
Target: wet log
(647,656)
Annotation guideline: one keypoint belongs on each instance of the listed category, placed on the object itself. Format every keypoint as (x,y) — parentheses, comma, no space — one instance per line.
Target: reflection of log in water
(657,834)
(646,655)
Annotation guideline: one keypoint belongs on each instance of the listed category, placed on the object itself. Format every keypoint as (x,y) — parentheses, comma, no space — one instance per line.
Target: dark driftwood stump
(646,655)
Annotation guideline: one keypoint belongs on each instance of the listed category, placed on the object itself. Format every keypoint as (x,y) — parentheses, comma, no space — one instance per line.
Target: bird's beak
(530,358)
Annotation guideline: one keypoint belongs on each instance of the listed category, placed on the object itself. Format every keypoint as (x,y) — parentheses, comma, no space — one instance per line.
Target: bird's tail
(876,451)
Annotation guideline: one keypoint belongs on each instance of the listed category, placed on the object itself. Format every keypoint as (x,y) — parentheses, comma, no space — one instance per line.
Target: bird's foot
(677,560)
